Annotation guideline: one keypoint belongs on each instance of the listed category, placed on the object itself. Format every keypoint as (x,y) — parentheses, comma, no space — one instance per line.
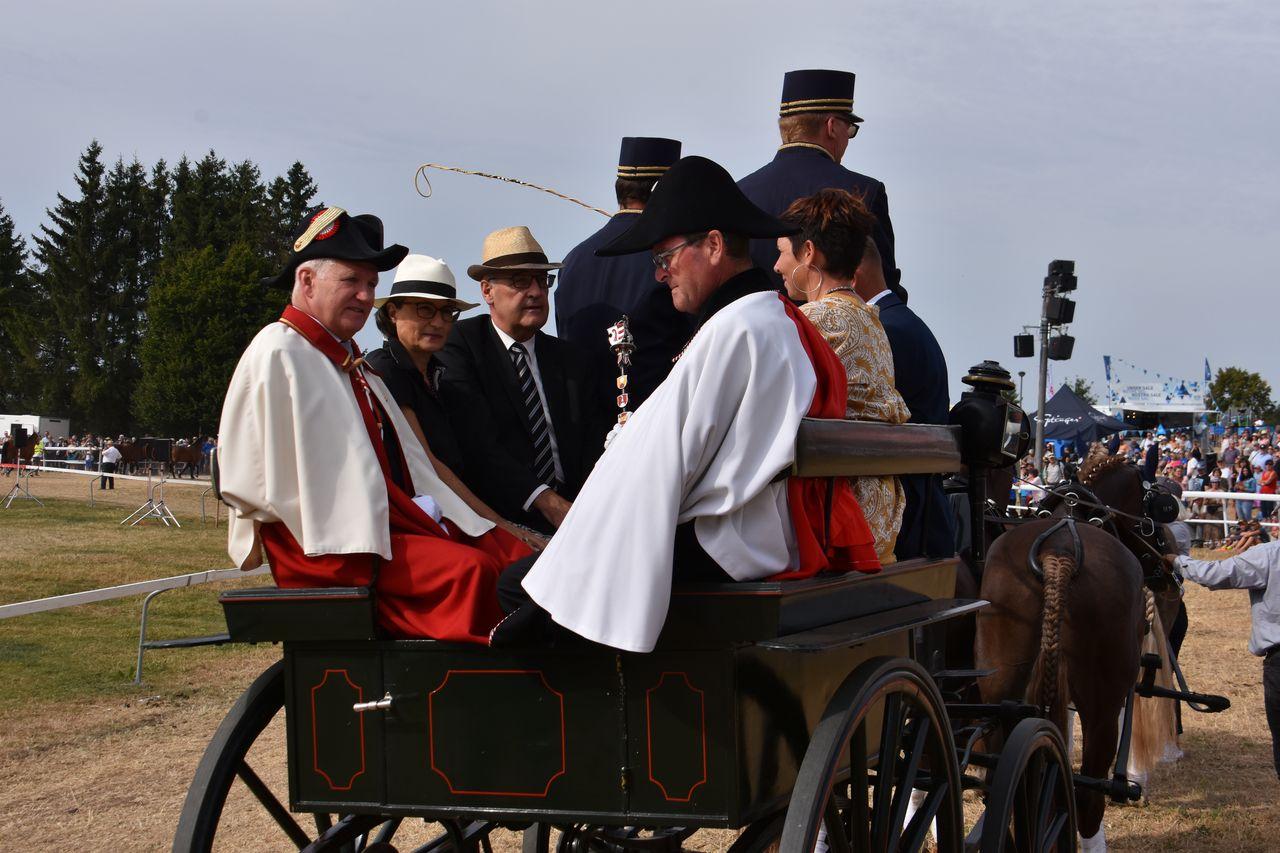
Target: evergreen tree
(201,314)
(16,352)
(69,286)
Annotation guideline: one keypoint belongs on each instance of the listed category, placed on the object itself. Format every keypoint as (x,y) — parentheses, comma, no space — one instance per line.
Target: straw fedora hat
(424,277)
(509,249)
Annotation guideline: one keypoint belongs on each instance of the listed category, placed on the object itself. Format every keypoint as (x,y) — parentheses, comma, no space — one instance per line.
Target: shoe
(527,625)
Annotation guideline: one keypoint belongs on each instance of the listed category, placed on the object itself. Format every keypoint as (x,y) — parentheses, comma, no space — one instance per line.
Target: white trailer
(58,428)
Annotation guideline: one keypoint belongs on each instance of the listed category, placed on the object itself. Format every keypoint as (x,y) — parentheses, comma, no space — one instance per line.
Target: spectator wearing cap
(540,394)
(415,319)
(593,293)
(817,123)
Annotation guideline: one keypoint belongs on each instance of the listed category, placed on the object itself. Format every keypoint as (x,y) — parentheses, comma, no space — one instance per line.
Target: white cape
(292,447)
(706,446)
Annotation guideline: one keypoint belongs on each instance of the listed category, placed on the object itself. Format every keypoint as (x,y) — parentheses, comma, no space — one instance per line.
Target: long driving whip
(420,178)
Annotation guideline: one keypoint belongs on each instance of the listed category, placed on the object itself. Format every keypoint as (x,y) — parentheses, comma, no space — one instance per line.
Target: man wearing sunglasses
(541,396)
(817,123)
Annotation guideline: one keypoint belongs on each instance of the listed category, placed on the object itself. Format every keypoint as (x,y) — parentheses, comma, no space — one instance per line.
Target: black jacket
(593,293)
(478,368)
(441,416)
(920,375)
(802,171)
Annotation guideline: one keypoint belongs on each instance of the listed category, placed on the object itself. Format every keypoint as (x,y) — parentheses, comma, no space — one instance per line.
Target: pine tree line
(130,309)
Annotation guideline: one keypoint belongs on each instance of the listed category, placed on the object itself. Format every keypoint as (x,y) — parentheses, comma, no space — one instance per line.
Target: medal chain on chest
(623,344)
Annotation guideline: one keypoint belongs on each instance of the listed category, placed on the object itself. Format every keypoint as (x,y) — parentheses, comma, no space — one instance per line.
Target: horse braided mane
(1097,463)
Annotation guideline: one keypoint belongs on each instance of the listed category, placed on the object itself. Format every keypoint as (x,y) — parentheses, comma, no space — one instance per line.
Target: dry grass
(88,761)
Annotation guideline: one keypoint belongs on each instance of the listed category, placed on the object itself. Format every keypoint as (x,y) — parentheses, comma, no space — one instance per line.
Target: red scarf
(848,543)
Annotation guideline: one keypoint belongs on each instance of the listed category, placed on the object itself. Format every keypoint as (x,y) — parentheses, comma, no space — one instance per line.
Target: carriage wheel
(884,734)
(227,759)
(1031,804)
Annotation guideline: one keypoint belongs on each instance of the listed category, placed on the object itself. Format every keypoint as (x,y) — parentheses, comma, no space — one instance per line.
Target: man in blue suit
(594,293)
(817,122)
(920,375)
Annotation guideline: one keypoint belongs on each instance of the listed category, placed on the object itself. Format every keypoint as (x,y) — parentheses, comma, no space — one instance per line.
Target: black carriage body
(707,730)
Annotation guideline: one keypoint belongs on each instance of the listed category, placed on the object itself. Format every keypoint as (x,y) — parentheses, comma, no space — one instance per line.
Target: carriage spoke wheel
(227,764)
(1031,806)
(883,735)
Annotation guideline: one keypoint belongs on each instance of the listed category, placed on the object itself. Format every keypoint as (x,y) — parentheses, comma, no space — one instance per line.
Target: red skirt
(436,584)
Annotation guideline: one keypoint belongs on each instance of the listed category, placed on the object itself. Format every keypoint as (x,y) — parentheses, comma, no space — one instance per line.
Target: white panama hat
(424,277)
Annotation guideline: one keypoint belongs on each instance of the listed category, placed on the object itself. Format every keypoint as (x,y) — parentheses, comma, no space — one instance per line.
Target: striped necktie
(544,466)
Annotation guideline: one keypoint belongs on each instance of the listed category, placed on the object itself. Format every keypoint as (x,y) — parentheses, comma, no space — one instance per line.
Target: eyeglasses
(662,260)
(524,281)
(853,125)
(427,311)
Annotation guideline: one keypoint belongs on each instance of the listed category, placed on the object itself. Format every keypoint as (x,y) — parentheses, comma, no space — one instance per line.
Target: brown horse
(12,454)
(1071,632)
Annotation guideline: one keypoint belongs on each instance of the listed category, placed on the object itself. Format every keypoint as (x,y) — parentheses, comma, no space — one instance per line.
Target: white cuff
(533,496)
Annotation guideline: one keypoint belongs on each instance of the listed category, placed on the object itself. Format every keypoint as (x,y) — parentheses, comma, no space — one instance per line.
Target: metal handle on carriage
(377,705)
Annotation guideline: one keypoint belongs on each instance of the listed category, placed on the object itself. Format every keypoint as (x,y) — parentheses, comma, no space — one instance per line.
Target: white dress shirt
(881,295)
(532,357)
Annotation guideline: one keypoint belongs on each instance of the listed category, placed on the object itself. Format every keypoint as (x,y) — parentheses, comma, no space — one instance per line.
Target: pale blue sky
(1134,138)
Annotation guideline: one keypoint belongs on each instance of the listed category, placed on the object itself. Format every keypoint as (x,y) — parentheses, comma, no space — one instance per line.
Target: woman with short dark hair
(416,318)
(818,266)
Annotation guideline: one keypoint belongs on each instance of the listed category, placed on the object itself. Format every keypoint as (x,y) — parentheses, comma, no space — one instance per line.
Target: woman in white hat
(416,318)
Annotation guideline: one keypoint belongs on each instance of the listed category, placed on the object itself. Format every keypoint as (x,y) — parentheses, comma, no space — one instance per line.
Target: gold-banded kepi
(818,91)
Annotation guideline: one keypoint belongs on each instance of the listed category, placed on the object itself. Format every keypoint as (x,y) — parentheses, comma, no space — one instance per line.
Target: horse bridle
(1147,529)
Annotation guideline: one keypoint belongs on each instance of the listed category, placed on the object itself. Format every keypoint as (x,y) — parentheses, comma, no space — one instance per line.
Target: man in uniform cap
(689,486)
(322,471)
(593,293)
(541,395)
(816,121)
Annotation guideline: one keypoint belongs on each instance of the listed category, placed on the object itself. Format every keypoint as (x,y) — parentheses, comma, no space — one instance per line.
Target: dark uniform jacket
(920,375)
(593,293)
(479,368)
(801,171)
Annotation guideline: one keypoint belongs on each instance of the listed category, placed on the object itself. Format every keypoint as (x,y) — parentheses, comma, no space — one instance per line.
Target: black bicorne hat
(696,195)
(818,91)
(331,232)
(647,156)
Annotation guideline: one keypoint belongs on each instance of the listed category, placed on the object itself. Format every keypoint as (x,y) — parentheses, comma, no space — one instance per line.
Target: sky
(1133,138)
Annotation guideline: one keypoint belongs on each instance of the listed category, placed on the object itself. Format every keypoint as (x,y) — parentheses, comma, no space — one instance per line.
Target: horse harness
(1145,536)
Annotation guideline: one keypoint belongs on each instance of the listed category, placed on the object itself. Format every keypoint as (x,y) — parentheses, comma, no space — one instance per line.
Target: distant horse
(12,454)
(1066,623)
(189,458)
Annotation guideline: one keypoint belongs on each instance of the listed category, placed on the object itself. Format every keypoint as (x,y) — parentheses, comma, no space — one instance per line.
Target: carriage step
(961,674)
(188,642)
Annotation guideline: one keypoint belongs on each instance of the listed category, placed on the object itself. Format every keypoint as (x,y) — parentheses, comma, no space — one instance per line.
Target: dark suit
(478,366)
(593,293)
(802,171)
(920,375)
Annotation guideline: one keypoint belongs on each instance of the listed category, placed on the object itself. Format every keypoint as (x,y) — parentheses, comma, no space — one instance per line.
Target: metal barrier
(151,588)
(1225,498)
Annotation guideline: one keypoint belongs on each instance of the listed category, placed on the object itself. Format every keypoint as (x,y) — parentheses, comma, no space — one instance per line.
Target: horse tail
(1155,723)
(1048,685)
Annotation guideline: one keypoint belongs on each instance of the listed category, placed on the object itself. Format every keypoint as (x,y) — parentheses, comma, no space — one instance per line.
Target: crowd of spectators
(1243,462)
(85,451)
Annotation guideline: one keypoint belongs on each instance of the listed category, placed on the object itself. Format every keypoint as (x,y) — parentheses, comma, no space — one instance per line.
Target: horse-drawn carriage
(787,710)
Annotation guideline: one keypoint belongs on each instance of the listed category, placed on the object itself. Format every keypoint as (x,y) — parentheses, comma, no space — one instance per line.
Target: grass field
(88,761)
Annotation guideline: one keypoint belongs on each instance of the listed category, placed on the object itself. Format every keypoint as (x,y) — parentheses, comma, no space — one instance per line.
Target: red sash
(848,543)
(437,584)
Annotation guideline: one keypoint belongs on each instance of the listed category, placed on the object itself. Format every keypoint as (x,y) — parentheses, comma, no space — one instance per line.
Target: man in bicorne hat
(817,122)
(322,472)
(540,395)
(690,485)
(593,293)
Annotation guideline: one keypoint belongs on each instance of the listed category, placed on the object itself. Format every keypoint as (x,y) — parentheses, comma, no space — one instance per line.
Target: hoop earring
(818,288)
